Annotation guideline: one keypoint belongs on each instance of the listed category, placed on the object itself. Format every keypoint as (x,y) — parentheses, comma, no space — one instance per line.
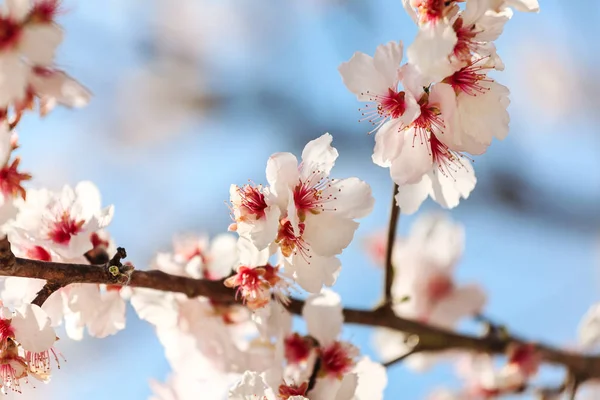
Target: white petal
(325,388)
(410,197)
(250,255)
(223,255)
(17,9)
(430,50)
(323,315)
(39,42)
(413,162)
(387,61)
(282,174)
(463,302)
(251,387)
(263,231)
(362,78)
(389,140)
(312,274)
(589,328)
(440,239)
(13,78)
(352,198)
(156,307)
(328,234)
(348,387)
(318,155)
(524,5)
(33,328)
(448,190)
(110,316)
(57,86)
(372,380)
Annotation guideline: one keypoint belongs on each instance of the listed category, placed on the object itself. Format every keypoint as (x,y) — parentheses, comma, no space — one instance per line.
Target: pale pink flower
(62,222)
(26,340)
(31,38)
(198,257)
(319,213)
(256,214)
(324,320)
(426,165)
(483,379)
(375,80)
(53,87)
(589,328)
(481,109)
(424,288)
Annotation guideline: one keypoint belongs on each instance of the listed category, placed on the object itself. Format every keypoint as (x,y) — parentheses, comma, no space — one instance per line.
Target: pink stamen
(66,226)
(386,106)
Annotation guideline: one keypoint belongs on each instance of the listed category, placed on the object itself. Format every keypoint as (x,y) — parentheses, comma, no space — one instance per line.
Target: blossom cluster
(303,218)
(442,103)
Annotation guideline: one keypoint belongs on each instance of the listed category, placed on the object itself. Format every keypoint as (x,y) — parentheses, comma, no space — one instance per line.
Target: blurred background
(193,95)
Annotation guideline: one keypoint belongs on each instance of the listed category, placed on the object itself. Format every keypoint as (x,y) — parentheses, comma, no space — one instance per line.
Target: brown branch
(45,292)
(430,338)
(391,239)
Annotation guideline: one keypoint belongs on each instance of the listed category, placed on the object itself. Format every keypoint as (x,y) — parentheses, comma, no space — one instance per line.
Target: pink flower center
(252,286)
(447,161)
(6,330)
(386,106)
(287,391)
(430,121)
(297,348)
(430,10)
(38,253)
(336,360)
(10,31)
(438,287)
(465,43)
(11,179)
(66,226)
(252,201)
(44,11)
(526,358)
(289,242)
(468,79)
(309,195)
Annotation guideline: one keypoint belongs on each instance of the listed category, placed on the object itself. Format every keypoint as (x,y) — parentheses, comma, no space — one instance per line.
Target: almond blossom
(26,346)
(61,221)
(426,165)
(318,212)
(424,265)
(11,179)
(375,80)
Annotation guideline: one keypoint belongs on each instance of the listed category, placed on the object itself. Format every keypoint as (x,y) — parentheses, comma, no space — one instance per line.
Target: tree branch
(430,338)
(391,238)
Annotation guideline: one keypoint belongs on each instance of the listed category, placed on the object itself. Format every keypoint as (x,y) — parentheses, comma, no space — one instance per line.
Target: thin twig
(389,249)
(401,358)
(45,292)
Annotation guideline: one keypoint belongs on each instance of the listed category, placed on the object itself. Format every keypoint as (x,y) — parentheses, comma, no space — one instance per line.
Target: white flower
(375,80)
(196,256)
(319,213)
(54,87)
(424,278)
(323,315)
(252,387)
(481,109)
(62,222)
(589,328)
(519,5)
(255,213)
(430,52)
(425,165)
(30,38)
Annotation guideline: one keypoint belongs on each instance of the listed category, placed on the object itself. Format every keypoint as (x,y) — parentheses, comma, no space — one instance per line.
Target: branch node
(119,273)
